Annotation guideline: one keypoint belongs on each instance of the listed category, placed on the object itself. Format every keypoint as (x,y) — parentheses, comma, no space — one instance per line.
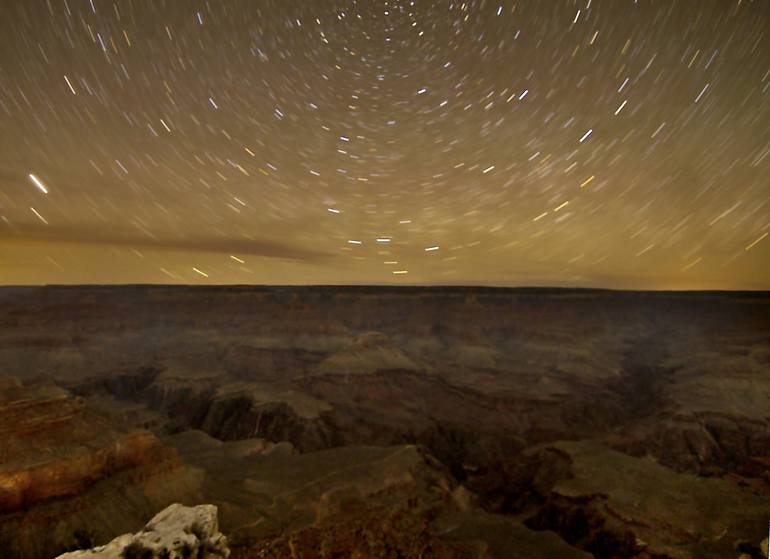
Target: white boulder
(176,532)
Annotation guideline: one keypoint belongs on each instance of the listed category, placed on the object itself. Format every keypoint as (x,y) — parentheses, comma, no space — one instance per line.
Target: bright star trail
(170,141)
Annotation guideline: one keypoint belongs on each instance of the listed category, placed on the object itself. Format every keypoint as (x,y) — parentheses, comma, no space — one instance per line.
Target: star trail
(598,143)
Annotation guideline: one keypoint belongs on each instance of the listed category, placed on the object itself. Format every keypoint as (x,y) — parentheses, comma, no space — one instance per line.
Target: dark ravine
(511,392)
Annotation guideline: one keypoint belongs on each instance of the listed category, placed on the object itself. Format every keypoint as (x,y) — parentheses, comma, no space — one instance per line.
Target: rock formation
(175,532)
(70,474)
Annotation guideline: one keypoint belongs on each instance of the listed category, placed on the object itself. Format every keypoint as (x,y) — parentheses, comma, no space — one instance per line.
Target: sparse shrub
(135,550)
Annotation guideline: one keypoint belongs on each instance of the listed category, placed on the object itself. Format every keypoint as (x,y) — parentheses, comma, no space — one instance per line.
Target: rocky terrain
(388,422)
(176,531)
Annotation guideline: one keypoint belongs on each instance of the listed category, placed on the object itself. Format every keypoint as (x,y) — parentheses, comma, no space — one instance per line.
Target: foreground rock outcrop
(175,532)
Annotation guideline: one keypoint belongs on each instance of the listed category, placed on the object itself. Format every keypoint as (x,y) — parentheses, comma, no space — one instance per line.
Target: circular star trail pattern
(605,143)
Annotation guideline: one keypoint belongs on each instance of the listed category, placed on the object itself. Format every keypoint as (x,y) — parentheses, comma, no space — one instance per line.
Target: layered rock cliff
(64,465)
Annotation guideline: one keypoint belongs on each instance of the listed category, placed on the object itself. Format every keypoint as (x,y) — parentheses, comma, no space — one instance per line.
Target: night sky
(613,143)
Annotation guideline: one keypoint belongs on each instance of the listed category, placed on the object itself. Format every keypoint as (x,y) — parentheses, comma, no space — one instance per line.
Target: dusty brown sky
(593,143)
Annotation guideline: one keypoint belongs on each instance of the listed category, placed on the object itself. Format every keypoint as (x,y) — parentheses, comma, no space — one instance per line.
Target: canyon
(445,422)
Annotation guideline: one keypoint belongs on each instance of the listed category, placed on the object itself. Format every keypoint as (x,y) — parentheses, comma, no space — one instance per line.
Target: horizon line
(378,285)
